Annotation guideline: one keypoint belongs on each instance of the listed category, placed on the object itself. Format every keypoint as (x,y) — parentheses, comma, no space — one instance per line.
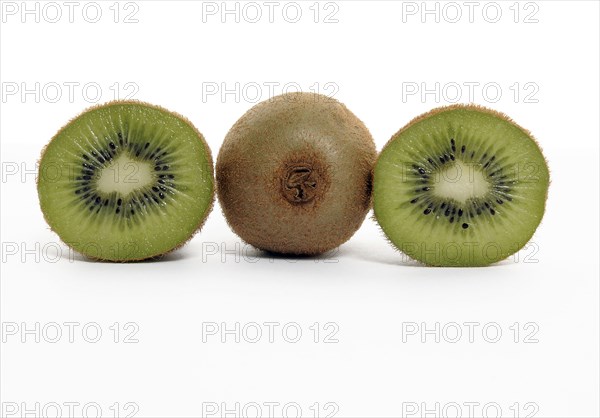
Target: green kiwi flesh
(126,181)
(294,174)
(460,186)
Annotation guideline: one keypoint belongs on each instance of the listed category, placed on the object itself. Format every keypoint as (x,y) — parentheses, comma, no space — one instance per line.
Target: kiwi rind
(268,141)
(398,245)
(207,155)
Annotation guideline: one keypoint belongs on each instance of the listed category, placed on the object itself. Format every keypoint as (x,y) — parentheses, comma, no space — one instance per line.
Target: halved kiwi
(460,186)
(294,174)
(126,181)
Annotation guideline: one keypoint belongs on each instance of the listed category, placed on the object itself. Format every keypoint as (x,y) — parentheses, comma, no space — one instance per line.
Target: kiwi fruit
(294,174)
(126,181)
(460,186)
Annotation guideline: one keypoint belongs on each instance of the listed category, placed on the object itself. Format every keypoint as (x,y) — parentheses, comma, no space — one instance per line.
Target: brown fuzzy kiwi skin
(272,140)
(441,109)
(176,115)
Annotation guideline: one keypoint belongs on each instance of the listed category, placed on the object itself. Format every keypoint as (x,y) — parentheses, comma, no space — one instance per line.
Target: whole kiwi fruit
(294,174)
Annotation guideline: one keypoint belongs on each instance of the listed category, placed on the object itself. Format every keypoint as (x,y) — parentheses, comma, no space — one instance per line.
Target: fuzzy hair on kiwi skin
(441,109)
(226,171)
(182,118)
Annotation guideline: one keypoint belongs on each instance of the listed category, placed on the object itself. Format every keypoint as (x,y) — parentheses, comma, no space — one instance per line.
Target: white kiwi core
(124,175)
(461,182)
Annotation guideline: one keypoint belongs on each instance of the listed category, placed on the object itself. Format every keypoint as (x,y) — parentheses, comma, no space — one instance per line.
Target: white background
(365,295)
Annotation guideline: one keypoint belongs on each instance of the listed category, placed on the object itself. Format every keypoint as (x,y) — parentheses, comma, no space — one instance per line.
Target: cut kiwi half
(126,181)
(294,174)
(460,186)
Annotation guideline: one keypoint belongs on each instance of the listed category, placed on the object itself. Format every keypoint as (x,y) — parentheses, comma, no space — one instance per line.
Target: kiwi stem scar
(299,184)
